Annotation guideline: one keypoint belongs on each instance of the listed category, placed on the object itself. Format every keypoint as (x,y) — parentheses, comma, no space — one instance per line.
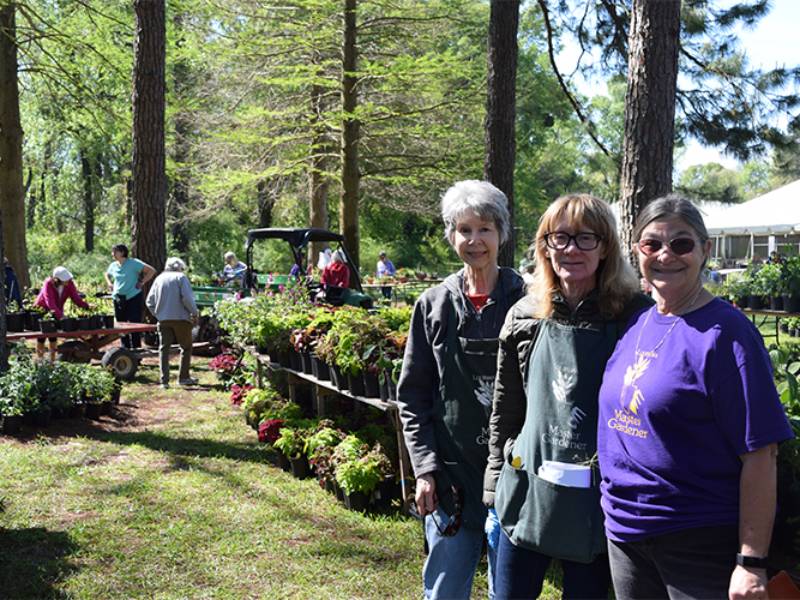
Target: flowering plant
(224,365)
(238,392)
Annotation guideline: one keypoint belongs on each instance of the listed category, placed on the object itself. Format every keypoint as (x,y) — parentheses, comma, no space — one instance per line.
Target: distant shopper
(233,271)
(172,302)
(54,294)
(385,268)
(337,273)
(325,258)
(13,293)
(126,276)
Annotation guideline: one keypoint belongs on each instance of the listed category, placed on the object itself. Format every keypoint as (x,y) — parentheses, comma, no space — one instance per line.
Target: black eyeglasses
(560,240)
(679,246)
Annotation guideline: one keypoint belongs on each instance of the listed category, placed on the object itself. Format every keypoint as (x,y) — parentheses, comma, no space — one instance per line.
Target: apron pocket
(554,520)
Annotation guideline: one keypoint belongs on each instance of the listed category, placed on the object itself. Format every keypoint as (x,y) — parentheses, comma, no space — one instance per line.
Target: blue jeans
(450,566)
(520,574)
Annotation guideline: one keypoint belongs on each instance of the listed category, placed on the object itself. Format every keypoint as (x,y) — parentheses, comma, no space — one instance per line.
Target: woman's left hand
(748,583)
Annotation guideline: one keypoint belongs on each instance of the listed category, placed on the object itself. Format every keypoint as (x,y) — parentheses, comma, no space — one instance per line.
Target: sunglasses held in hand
(453,524)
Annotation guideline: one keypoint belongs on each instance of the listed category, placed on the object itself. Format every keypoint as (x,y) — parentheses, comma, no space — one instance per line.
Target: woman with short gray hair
(172,303)
(446,386)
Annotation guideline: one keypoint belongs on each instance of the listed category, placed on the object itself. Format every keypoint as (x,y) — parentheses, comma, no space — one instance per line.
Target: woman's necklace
(652,352)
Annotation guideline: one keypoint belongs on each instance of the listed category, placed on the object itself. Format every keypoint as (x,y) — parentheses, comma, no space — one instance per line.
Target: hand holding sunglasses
(678,246)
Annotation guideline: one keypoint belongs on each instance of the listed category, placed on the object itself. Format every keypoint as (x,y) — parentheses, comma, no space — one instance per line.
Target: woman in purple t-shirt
(688,429)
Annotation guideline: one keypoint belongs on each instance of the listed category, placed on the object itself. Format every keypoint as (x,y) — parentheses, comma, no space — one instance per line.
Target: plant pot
(116,393)
(783,327)
(96,322)
(261,348)
(357,501)
(371,385)
(282,359)
(305,363)
(84,324)
(48,326)
(12,425)
(794,332)
(42,417)
(15,322)
(108,321)
(93,411)
(32,320)
(383,389)
(391,386)
(59,412)
(299,467)
(755,302)
(776,302)
(294,361)
(68,324)
(105,407)
(283,461)
(339,378)
(77,411)
(320,369)
(329,486)
(338,491)
(355,383)
(791,303)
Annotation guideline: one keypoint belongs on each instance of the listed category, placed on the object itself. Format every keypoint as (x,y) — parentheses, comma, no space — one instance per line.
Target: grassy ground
(172,497)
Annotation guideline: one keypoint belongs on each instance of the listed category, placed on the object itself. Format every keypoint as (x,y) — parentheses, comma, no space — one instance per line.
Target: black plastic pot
(783,327)
(371,386)
(77,411)
(105,407)
(305,363)
(96,322)
(116,393)
(48,326)
(283,462)
(355,383)
(776,302)
(93,411)
(299,467)
(84,323)
(755,302)
(69,324)
(383,389)
(12,425)
(108,321)
(320,369)
(339,378)
(42,417)
(32,320)
(791,303)
(294,361)
(356,501)
(15,322)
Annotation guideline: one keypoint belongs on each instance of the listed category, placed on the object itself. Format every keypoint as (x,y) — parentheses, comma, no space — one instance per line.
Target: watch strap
(754,562)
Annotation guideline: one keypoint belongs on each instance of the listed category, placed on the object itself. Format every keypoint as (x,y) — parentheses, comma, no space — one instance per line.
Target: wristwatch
(754,562)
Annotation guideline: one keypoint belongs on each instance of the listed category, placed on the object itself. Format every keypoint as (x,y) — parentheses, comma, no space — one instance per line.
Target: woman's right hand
(425,495)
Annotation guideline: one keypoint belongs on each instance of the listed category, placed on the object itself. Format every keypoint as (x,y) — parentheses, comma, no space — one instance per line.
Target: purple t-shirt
(675,417)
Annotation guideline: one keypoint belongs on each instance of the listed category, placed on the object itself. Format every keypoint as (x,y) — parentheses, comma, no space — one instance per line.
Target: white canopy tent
(757,227)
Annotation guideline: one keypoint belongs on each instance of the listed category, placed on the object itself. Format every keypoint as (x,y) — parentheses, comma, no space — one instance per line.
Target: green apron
(565,370)
(461,423)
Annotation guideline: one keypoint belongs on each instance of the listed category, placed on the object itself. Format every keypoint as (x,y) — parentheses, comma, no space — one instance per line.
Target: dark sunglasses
(679,246)
(559,240)
(453,524)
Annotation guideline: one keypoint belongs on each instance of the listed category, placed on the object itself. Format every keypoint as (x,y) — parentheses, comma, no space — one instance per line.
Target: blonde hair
(616,280)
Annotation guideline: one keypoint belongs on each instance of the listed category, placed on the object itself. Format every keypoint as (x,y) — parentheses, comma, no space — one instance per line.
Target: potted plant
(291,442)
(319,450)
(359,477)
(15,317)
(771,284)
(791,297)
(33,315)
(48,324)
(12,415)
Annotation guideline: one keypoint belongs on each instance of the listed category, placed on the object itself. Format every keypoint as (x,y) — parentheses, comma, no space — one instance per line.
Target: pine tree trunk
(88,202)
(149,177)
(318,182)
(12,206)
(348,207)
(649,108)
(181,149)
(498,167)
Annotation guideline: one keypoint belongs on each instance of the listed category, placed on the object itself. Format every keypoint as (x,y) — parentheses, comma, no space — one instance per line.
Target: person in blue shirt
(13,293)
(126,277)
(385,268)
(233,271)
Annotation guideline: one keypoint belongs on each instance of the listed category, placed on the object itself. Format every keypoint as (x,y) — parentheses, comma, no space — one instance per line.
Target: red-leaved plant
(269,430)
(238,392)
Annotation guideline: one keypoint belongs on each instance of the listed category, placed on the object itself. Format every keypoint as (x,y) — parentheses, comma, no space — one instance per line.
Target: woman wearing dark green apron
(446,387)
(542,474)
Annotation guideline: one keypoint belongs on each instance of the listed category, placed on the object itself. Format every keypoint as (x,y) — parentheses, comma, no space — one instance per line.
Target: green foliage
(364,473)
(292,442)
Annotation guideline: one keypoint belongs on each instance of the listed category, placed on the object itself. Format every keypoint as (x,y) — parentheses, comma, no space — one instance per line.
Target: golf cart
(298,240)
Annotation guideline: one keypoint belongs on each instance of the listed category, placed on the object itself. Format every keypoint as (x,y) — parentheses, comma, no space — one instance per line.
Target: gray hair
(477,197)
(229,255)
(338,256)
(174,264)
(671,206)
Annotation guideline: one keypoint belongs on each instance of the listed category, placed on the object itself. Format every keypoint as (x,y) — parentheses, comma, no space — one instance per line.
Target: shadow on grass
(180,446)
(33,561)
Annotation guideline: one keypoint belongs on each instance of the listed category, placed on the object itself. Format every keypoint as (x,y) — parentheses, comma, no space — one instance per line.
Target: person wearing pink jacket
(54,294)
